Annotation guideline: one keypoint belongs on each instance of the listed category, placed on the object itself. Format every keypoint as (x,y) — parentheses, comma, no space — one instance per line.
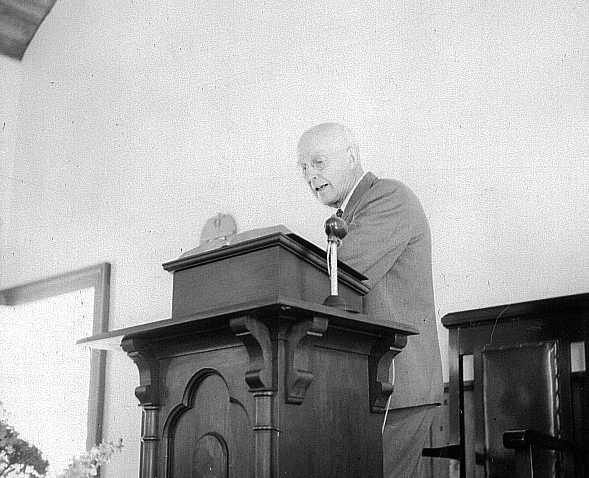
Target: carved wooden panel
(210,433)
(210,457)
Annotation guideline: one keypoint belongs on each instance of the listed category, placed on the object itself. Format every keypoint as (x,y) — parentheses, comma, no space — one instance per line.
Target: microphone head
(335,228)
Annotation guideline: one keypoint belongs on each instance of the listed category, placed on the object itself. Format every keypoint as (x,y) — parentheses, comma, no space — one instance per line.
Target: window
(52,389)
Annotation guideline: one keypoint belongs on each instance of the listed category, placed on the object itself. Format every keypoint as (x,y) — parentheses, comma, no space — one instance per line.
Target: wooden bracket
(256,337)
(382,353)
(300,338)
(148,390)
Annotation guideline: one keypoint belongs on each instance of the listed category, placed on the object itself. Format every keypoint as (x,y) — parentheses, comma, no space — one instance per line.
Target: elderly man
(389,242)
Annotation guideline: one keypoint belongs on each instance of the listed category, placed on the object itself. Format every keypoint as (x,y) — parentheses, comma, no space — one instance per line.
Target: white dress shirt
(347,199)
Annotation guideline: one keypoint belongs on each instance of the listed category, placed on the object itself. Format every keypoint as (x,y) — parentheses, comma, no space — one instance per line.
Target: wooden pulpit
(252,376)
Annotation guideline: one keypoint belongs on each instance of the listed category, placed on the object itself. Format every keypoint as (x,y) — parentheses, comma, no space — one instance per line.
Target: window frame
(97,277)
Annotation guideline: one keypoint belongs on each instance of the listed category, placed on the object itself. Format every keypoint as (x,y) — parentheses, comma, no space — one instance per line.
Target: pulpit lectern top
(252,376)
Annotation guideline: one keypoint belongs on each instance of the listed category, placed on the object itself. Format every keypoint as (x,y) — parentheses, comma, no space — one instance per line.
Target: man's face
(327,167)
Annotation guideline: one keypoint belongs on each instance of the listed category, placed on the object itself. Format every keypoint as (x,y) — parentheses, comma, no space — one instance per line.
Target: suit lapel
(363,186)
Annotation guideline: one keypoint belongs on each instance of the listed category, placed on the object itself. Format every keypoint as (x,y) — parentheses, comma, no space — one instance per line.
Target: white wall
(139,120)
(11,75)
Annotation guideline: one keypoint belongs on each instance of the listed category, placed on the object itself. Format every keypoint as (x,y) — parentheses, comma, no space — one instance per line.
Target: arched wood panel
(209,434)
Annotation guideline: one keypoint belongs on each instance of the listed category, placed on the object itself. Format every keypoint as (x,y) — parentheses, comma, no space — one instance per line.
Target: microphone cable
(386,413)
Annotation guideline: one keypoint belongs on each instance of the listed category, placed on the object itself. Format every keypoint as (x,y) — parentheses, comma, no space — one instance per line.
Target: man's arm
(378,234)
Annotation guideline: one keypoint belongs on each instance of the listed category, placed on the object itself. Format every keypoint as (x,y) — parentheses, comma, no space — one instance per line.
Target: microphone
(336,229)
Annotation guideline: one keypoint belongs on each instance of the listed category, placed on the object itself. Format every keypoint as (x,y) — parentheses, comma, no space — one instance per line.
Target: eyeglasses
(320,162)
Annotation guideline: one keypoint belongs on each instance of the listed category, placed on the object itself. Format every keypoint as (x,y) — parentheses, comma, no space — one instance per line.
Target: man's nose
(311,173)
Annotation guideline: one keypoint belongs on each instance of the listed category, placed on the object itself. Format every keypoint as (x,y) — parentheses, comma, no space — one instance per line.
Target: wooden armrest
(517,439)
(448,451)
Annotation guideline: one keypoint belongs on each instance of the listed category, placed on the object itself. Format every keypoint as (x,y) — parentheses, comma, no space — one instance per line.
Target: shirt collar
(347,199)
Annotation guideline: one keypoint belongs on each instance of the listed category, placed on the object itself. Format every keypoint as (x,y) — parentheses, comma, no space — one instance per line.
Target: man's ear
(353,155)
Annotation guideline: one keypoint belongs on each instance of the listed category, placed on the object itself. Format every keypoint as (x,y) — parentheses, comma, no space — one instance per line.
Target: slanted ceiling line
(19,21)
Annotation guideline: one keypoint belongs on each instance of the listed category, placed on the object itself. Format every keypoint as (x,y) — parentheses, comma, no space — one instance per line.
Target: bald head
(329,136)
(329,159)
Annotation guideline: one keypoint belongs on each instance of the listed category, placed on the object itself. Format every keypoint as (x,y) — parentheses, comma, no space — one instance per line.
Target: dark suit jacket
(389,242)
